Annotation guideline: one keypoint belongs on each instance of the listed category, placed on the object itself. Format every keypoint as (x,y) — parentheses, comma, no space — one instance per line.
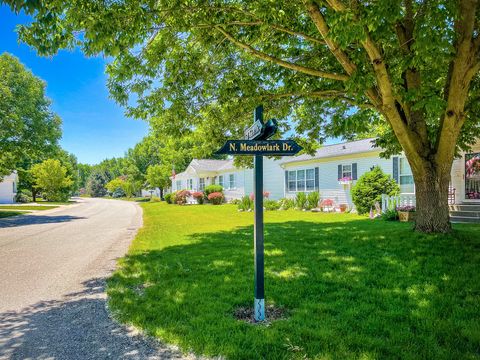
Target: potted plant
(406,213)
(343,207)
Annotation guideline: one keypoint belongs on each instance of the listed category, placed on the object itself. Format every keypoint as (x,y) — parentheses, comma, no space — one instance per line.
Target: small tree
(117,183)
(158,176)
(96,184)
(51,178)
(370,187)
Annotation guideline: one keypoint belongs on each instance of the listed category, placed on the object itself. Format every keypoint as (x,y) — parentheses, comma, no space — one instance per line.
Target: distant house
(332,170)
(201,173)
(8,188)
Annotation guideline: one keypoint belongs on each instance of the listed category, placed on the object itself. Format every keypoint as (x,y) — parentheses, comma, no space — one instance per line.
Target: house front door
(472,176)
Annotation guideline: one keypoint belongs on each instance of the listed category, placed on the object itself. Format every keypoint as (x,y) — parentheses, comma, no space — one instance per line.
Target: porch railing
(399,200)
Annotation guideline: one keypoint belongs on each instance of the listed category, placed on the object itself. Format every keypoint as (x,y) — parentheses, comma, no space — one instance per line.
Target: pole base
(259,309)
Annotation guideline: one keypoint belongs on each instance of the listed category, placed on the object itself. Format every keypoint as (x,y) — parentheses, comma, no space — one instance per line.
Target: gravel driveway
(53,267)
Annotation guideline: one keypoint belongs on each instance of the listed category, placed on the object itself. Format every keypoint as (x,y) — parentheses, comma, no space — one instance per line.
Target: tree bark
(161,193)
(431,186)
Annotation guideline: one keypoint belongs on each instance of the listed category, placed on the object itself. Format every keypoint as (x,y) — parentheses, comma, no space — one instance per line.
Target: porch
(460,212)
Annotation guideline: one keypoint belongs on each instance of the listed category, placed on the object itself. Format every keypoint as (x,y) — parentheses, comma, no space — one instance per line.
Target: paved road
(53,266)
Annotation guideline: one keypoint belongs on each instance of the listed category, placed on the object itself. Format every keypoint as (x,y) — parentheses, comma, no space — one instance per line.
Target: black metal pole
(258,228)
(259,292)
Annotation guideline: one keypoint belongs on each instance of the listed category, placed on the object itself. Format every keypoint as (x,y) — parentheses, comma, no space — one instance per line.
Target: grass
(41,201)
(27,207)
(352,287)
(4,214)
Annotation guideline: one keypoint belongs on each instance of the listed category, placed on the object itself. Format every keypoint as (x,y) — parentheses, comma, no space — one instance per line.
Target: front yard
(351,287)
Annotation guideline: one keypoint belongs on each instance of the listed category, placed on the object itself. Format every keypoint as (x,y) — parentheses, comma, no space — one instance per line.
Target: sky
(94,126)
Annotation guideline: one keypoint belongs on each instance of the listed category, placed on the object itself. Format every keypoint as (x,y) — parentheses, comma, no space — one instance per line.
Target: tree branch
(389,106)
(321,24)
(461,71)
(320,94)
(288,65)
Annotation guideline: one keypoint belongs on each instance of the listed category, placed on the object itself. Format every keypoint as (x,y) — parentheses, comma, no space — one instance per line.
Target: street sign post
(256,144)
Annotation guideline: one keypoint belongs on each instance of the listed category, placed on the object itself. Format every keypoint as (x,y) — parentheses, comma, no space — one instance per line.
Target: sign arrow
(260,147)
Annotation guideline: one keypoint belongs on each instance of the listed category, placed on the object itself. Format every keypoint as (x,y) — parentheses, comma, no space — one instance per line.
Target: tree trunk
(34,194)
(432,213)
(161,193)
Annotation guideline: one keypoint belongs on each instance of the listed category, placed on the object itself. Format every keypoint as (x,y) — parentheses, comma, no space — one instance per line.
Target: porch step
(463,219)
(465,213)
(465,207)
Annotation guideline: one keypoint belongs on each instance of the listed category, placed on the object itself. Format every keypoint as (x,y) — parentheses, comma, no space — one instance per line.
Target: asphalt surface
(53,266)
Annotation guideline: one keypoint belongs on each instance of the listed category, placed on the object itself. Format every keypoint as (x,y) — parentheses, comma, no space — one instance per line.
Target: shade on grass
(353,287)
(4,214)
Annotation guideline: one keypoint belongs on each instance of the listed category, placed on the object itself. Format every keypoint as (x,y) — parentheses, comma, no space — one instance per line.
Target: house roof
(346,148)
(207,165)
(211,165)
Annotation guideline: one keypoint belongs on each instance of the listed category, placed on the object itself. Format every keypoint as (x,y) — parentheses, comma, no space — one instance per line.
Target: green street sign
(260,147)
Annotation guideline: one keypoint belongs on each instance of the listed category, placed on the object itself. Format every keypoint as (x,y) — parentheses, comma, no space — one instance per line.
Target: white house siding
(328,184)
(8,189)
(273,178)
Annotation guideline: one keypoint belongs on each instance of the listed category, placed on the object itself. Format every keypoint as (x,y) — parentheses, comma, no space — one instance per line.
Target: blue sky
(94,127)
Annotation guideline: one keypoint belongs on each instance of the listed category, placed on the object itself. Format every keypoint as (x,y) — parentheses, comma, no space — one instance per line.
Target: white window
(220,181)
(201,184)
(301,180)
(310,179)
(407,185)
(347,171)
(179,184)
(231,181)
(190,184)
(14,187)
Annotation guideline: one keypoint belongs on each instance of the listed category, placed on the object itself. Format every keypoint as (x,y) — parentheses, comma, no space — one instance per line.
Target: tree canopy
(28,127)
(406,69)
(51,177)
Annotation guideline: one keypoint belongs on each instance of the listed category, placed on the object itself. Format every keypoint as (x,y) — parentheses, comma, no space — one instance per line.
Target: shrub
(24,196)
(216,198)
(390,215)
(198,196)
(271,204)
(168,198)
(301,200)
(286,204)
(235,201)
(370,187)
(213,189)
(181,197)
(245,203)
(155,199)
(312,199)
(118,193)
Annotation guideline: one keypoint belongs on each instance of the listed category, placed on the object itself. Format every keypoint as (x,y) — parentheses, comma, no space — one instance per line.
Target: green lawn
(4,214)
(352,287)
(27,207)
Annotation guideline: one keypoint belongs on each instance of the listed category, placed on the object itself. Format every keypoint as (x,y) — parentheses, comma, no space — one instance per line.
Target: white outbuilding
(8,188)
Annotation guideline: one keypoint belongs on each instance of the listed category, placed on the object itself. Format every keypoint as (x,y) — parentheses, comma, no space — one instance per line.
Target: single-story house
(8,188)
(332,170)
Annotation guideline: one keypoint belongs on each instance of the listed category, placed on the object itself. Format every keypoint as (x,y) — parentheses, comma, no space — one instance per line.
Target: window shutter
(317,184)
(286,181)
(339,172)
(395,168)
(354,171)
